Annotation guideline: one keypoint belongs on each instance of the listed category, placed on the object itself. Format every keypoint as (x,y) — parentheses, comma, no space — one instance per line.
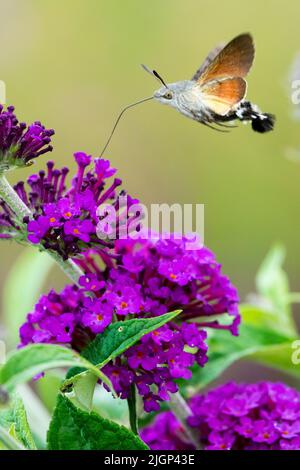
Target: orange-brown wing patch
(221,96)
(234,60)
(208,60)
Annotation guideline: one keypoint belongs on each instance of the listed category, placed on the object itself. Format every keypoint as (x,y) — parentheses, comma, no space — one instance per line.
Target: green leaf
(14,420)
(116,338)
(8,440)
(82,392)
(224,350)
(120,336)
(272,284)
(28,273)
(259,317)
(108,345)
(74,429)
(107,406)
(48,387)
(37,415)
(34,359)
(278,357)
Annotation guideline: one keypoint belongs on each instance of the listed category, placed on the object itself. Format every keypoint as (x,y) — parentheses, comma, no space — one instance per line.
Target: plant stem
(131,400)
(9,442)
(9,195)
(71,269)
(182,411)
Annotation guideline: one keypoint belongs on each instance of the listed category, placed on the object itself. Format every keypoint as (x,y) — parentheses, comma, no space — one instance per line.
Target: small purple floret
(131,284)
(234,417)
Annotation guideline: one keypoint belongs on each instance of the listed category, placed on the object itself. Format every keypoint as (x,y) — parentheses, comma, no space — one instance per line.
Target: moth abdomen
(260,122)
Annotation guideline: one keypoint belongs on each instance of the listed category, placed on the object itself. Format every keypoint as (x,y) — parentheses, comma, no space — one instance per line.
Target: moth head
(164,95)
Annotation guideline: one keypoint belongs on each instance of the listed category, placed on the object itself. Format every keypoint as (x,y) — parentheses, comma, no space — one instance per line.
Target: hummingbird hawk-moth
(215,95)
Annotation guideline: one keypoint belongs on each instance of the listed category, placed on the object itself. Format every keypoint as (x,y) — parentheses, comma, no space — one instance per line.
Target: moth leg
(229,126)
(205,122)
(214,128)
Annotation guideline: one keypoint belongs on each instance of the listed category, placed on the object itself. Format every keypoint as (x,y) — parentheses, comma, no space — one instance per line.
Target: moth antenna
(160,78)
(118,119)
(155,74)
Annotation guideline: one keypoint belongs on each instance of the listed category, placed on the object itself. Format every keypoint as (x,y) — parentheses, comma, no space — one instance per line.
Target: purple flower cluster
(20,144)
(142,278)
(65,218)
(261,416)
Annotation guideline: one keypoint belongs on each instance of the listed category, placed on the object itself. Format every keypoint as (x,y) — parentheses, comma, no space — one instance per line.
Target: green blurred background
(74,64)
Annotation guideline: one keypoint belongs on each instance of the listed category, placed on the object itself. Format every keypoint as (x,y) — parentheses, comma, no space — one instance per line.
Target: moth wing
(234,60)
(211,56)
(220,97)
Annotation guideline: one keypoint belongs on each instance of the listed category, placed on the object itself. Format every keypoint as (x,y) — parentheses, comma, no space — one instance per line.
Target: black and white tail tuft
(261,122)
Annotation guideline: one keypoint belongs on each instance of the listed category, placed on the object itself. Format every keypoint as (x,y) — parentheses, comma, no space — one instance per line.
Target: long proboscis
(118,120)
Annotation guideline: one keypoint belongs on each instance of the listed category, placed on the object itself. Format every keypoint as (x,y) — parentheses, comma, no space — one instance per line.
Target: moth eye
(168,95)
